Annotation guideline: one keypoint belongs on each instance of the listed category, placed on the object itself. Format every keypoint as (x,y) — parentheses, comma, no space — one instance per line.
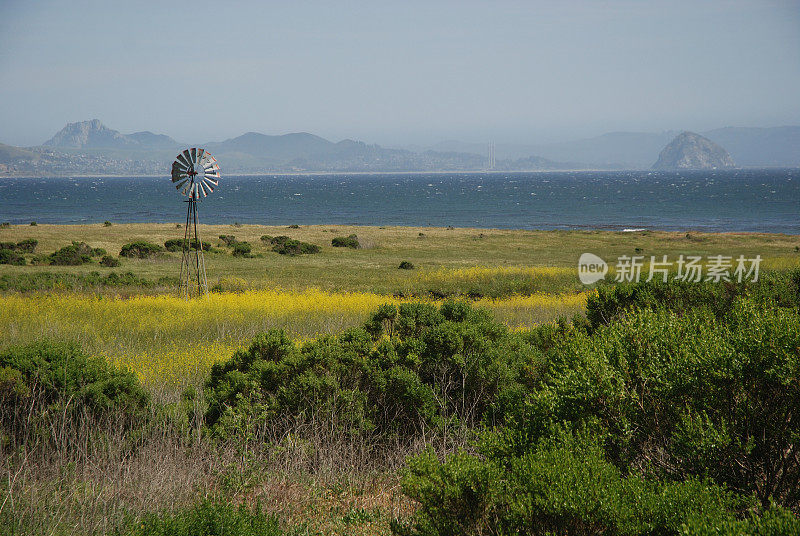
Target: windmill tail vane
(195,173)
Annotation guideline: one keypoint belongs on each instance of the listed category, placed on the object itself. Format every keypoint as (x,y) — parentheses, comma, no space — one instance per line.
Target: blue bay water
(731,200)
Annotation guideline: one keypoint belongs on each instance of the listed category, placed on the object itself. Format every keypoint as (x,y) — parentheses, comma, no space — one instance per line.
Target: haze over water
(737,200)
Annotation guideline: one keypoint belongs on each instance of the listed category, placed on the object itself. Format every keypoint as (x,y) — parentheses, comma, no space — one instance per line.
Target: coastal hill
(748,146)
(94,134)
(90,147)
(693,151)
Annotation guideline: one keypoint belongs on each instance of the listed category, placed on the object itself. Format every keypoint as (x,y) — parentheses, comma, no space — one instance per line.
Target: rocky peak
(692,151)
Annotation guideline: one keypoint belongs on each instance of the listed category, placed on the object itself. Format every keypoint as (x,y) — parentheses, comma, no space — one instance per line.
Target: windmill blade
(184,158)
(206,178)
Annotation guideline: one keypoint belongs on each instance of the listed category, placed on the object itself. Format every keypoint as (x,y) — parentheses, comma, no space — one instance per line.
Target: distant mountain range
(749,147)
(89,147)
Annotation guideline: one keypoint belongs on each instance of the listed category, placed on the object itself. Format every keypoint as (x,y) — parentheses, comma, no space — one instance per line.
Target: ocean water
(733,200)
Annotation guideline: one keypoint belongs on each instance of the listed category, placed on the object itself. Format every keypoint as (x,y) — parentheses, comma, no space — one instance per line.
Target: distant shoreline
(320,173)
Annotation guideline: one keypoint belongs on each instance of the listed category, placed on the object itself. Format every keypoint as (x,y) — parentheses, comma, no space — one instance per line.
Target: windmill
(194,173)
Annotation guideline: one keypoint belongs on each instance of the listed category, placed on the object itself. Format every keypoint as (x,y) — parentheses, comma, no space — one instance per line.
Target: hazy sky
(397,72)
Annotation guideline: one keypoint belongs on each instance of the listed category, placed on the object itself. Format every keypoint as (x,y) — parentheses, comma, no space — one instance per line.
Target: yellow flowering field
(168,341)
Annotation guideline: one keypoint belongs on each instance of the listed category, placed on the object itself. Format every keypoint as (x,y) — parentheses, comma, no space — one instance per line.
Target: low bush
(140,249)
(26,246)
(228,240)
(46,376)
(106,223)
(206,518)
(242,249)
(408,369)
(98,252)
(406,265)
(671,417)
(345,242)
(75,254)
(567,486)
(109,262)
(176,244)
(288,246)
(773,288)
(9,256)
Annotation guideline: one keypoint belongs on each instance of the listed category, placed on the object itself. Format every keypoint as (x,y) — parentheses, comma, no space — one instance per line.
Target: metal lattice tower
(194,173)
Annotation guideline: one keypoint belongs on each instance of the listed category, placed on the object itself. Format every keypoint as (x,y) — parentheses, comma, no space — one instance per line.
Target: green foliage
(411,368)
(75,254)
(406,265)
(9,256)
(106,223)
(229,240)
(345,242)
(242,249)
(567,486)
(140,249)
(773,288)
(26,246)
(668,414)
(176,244)
(46,281)
(50,375)
(98,252)
(206,518)
(288,246)
(109,261)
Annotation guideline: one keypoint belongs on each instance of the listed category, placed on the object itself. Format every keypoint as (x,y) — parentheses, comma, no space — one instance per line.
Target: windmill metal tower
(194,173)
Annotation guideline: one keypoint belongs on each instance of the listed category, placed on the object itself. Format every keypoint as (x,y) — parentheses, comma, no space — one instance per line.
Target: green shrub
(242,249)
(266,238)
(287,246)
(345,242)
(406,265)
(206,518)
(27,246)
(9,256)
(75,254)
(228,240)
(410,368)
(140,249)
(109,261)
(34,224)
(106,223)
(176,244)
(46,375)
(98,252)
(773,288)
(564,486)
(684,394)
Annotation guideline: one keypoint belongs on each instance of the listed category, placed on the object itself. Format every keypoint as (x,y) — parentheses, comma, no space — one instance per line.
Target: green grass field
(374,267)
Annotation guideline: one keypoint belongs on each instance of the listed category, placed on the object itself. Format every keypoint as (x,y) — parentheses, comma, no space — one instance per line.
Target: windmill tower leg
(193,267)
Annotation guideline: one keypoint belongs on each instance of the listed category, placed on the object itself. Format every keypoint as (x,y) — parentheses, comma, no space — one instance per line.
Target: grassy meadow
(314,478)
(525,278)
